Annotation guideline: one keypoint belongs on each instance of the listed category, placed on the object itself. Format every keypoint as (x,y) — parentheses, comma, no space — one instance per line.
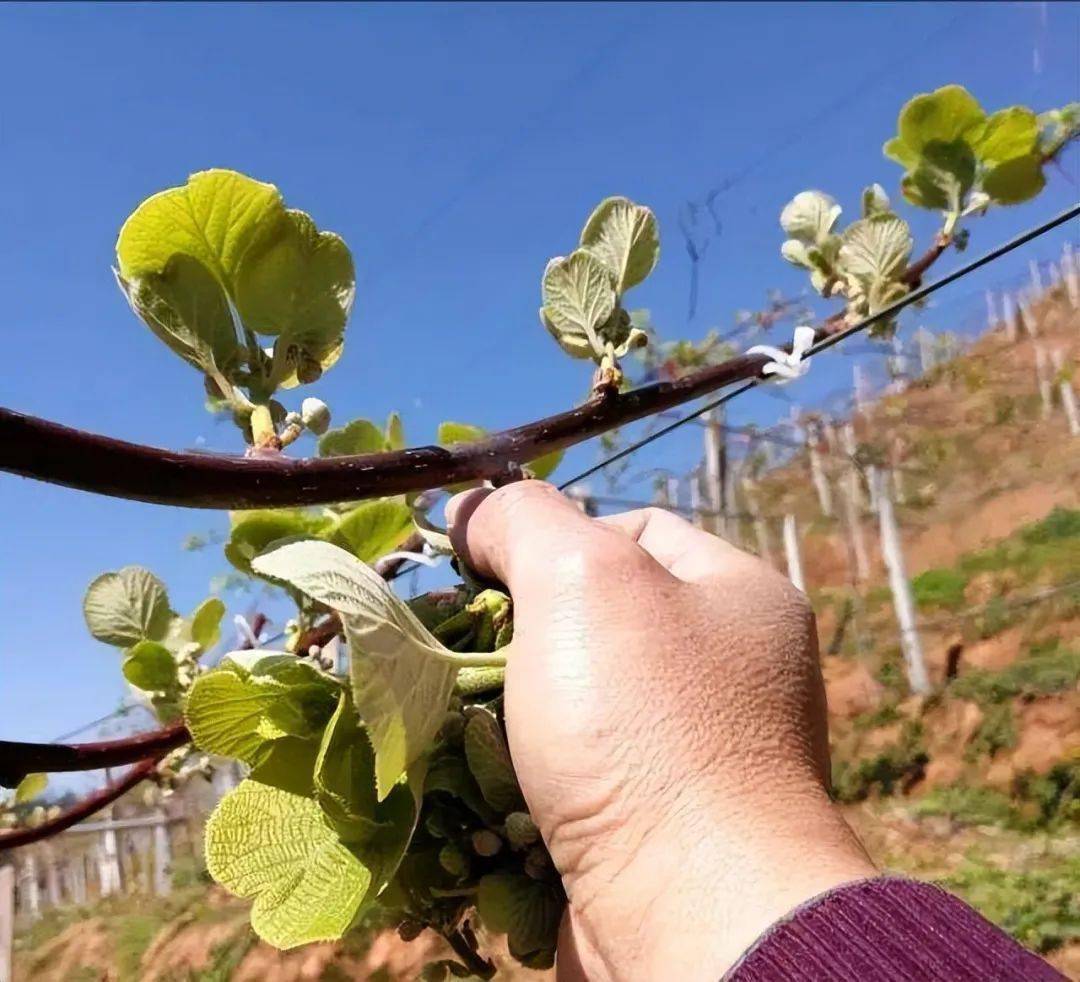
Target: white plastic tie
(784,367)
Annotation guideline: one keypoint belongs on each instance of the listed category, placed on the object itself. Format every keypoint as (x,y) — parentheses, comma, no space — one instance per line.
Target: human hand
(666,717)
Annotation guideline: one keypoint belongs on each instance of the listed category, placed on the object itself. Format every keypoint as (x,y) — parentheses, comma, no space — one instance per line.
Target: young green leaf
(345,772)
(875,250)
(401,683)
(206,623)
(254,531)
(625,238)
(373,528)
(946,115)
(489,760)
(275,848)
(395,432)
(30,787)
(1008,134)
(150,666)
(1014,181)
(296,284)
(579,300)
(874,201)
(810,217)
(942,177)
(358,437)
(125,607)
(215,219)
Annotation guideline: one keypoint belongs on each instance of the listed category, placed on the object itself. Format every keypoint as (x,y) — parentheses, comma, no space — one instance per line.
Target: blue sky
(455,148)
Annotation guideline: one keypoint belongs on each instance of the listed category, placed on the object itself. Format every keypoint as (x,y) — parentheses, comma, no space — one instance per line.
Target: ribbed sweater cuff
(887,929)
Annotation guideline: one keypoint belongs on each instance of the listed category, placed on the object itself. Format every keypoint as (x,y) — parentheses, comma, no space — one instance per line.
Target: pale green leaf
(287,763)
(1008,134)
(215,218)
(124,607)
(489,760)
(345,771)
(542,467)
(451,434)
(810,216)
(276,849)
(254,531)
(373,528)
(401,682)
(579,299)
(395,432)
(206,623)
(942,178)
(874,200)
(358,437)
(625,238)
(896,149)
(187,309)
(876,248)
(1016,180)
(30,787)
(150,666)
(946,115)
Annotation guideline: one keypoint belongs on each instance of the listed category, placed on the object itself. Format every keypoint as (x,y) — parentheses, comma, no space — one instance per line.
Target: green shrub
(1036,675)
(895,768)
(939,588)
(996,732)
(1061,523)
(967,805)
(1040,908)
(1055,795)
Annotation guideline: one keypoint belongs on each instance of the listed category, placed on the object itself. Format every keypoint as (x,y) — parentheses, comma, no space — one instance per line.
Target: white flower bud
(316,415)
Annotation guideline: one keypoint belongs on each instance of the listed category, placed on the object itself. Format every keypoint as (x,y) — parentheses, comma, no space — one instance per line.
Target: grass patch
(893,769)
(967,805)
(940,588)
(133,936)
(1038,907)
(1051,670)
(876,718)
(996,732)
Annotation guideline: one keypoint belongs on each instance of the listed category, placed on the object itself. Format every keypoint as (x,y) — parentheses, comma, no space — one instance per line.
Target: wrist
(702,885)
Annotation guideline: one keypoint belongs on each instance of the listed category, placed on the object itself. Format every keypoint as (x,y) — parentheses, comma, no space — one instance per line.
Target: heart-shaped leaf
(810,216)
(373,528)
(489,760)
(625,238)
(150,666)
(579,299)
(125,607)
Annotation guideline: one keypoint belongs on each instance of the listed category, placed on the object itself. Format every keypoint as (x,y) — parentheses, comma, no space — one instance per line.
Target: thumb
(517,530)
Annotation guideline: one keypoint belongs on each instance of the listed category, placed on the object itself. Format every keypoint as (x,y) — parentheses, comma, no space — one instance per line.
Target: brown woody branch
(83,808)
(19,759)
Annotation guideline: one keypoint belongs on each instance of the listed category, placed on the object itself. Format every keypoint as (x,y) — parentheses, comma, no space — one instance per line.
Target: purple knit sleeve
(887,929)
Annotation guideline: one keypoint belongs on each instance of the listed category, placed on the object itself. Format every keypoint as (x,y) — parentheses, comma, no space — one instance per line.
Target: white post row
(991,312)
(1027,316)
(7,920)
(849,493)
(673,492)
(52,876)
(1042,377)
(761,529)
(903,601)
(1036,277)
(714,481)
(1068,395)
(29,893)
(1070,273)
(812,435)
(1008,318)
(162,881)
(695,498)
(791,553)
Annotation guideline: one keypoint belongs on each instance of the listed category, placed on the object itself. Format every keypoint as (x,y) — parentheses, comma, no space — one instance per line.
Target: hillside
(976,785)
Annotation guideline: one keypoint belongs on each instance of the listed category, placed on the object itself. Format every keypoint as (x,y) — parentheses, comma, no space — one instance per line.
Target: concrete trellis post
(29,892)
(53,894)
(1027,316)
(1045,383)
(715,467)
(673,492)
(817,471)
(925,340)
(1071,275)
(7,920)
(108,856)
(1068,395)
(851,501)
(761,529)
(1008,317)
(903,601)
(850,447)
(791,553)
(162,857)
(859,388)
(1036,278)
(991,311)
(695,498)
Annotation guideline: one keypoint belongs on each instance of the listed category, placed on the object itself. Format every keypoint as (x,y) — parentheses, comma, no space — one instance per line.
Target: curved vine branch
(19,759)
(83,808)
(51,452)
